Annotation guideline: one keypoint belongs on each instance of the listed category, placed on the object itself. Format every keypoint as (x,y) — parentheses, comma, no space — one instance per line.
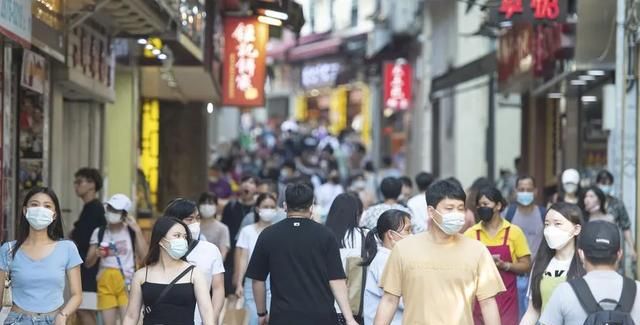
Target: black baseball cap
(599,239)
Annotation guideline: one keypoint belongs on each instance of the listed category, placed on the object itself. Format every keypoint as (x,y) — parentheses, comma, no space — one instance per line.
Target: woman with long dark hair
(393,225)
(203,254)
(343,219)
(557,260)
(37,263)
(265,212)
(168,286)
(507,244)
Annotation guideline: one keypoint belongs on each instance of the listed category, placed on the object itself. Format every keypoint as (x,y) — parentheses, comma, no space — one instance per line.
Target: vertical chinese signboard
(244,62)
(397,85)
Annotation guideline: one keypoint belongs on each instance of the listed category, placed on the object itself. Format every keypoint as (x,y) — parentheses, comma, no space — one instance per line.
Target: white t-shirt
(352,248)
(418,207)
(247,239)
(120,247)
(325,195)
(207,258)
(557,268)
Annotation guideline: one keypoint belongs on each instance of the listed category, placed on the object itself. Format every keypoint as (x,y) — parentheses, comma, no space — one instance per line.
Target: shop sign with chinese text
(532,11)
(244,62)
(15,20)
(397,85)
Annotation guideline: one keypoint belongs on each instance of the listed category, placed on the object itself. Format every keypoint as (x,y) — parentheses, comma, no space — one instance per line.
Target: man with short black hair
(391,188)
(529,216)
(303,260)
(600,251)
(440,273)
(418,204)
(232,216)
(87,183)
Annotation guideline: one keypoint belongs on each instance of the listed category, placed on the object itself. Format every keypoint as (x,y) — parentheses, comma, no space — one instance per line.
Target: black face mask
(485,214)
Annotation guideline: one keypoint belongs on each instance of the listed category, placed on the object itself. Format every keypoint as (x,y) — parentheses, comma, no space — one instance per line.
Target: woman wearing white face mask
(119,247)
(570,190)
(557,259)
(201,253)
(168,288)
(265,212)
(392,226)
(38,262)
(211,228)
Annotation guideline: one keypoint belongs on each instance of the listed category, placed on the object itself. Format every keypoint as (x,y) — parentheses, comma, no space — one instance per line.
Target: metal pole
(491,131)
(376,119)
(620,98)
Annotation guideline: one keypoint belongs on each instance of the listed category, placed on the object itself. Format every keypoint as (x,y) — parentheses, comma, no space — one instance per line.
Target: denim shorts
(21,319)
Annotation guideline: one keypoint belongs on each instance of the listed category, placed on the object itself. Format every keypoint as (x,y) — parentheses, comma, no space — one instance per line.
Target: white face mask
(570,188)
(452,222)
(39,217)
(207,210)
(195,230)
(267,215)
(113,217)
(556,238)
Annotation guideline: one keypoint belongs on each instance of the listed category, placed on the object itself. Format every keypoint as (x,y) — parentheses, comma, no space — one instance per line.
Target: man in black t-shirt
(87,183)
(303,260)
(232,216)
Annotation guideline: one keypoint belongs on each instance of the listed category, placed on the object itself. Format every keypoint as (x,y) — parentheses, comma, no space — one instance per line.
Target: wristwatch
(263,314)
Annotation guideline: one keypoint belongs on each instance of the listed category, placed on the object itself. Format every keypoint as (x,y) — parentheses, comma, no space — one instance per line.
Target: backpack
(511,212)
(356,278)
(621,315)
(132,234)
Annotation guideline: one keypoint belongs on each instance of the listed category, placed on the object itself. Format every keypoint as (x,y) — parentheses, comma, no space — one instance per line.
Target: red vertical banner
(245,41)
(397,85)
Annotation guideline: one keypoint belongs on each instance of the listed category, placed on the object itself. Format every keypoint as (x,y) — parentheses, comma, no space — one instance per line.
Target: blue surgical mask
(606,189)
(524,198)
(177,248)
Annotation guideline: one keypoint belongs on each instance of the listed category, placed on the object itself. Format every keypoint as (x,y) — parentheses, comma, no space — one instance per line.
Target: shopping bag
(234,313)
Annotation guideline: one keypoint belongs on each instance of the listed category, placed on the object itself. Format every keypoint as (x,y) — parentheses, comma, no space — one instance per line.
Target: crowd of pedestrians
(306,231)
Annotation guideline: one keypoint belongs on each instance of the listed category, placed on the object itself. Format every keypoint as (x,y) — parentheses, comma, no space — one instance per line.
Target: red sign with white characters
(243,78)
(397,85)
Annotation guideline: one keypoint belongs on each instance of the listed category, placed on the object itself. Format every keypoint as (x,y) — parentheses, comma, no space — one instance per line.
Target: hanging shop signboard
(15,20)
(320,74)
(397,85)
(529,11)
(243,79)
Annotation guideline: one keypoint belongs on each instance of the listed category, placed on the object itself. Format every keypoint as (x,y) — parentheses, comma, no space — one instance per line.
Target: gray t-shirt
(532,226)
(216,233)
(565,309)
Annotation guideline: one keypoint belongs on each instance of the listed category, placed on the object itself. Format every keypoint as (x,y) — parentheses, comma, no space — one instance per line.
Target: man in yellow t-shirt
(440,274)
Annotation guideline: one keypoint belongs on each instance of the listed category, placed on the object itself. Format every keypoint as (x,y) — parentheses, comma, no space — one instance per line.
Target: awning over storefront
(192,84)
(316,49)
(123,17)
(475,69)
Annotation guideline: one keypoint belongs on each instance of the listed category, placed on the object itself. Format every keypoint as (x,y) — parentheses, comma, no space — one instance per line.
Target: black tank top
(176,308)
